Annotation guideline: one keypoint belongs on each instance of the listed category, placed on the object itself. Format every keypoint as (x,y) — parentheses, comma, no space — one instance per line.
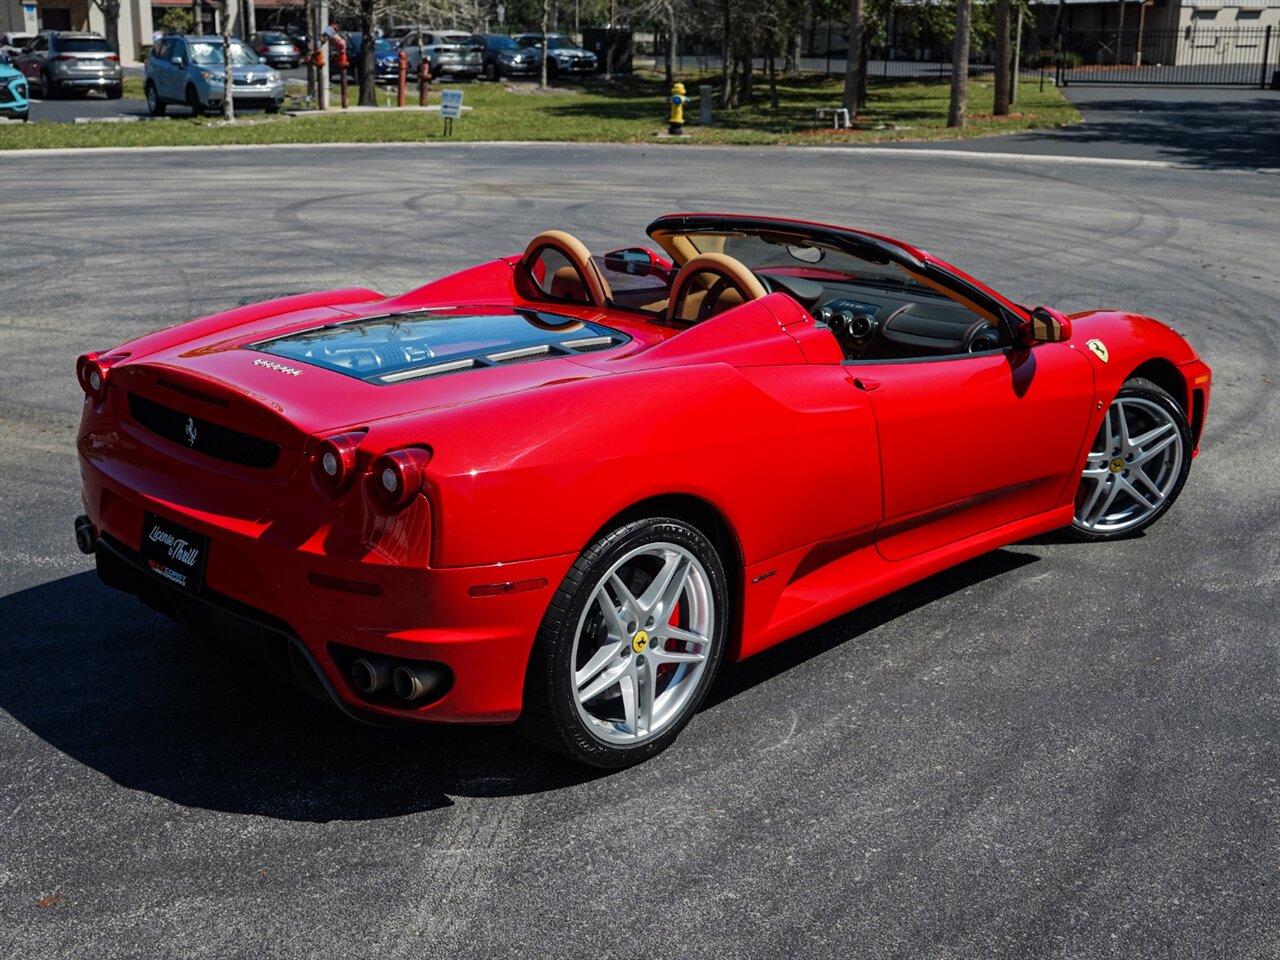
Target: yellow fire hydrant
(678,100)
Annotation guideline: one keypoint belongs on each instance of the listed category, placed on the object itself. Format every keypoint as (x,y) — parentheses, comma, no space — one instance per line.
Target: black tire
(491,71)
(155,106)
(273,107)
(116,92)
(551,716)
(193,101)
(553,70)
(48,89)
(1150,406)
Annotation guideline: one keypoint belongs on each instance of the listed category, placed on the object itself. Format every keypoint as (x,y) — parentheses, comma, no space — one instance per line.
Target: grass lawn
(631,110)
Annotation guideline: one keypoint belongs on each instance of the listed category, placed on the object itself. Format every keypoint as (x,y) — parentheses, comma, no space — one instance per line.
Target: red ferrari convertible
(560,489)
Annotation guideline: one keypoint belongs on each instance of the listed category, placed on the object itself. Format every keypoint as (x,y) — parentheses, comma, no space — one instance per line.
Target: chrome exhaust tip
(86,535)
(370,676)
(419,682)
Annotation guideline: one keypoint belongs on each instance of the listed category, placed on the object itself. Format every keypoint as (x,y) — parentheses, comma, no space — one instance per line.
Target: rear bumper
(330,606)
(89,83)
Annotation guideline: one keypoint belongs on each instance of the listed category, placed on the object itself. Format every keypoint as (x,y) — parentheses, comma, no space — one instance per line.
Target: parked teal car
(14,101)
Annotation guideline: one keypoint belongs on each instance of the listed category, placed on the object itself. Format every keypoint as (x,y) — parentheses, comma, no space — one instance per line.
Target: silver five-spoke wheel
(1136,466)
(641,644)
(629,645)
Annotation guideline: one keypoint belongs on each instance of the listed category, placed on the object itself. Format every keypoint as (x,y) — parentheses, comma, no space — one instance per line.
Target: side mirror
(1046,325)
(178,61)
(636,261)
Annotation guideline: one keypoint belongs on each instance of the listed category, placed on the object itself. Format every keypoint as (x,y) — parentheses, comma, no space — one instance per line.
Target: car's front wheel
(193,101)
(491,71)
(629,645)
(1137,465)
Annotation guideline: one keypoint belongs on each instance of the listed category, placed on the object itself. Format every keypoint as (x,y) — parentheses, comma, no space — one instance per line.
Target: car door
(974,441)
(171,83)
(32,60)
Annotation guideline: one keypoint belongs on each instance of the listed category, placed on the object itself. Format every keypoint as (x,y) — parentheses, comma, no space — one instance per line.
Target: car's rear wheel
(115,92)
(629,645)
(48,89)
(1137,465)
(155,106)
(193,101)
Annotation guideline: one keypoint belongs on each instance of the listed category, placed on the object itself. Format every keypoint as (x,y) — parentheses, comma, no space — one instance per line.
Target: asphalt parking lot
(1056,750)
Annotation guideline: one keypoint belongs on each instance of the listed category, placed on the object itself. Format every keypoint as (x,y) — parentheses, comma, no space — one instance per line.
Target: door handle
(866,383)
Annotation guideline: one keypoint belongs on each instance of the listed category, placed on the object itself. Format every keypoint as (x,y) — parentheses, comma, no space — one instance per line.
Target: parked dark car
(58,62)
(501,56)
(386,59)
(564,57)
(276,49)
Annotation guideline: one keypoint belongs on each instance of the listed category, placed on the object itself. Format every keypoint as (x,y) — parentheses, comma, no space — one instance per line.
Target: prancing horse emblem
(190,431)
(1099,348)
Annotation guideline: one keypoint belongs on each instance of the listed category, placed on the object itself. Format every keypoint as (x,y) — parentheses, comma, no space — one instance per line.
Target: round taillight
(334,462)
(397,477)
(92,374)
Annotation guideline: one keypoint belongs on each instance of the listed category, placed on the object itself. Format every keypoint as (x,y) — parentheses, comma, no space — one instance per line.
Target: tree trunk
(1002,57)
(960,67)
(228,94)
(546,15)
(773,77)
(672,46)
(853,62)
(250,19)
(726,74)
(111,19)
(197,15)
(368,88)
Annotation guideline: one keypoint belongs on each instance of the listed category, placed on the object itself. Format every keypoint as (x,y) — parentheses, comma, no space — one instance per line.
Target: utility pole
(250,19)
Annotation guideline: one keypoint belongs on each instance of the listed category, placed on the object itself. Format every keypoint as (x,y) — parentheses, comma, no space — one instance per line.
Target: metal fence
(1218,56)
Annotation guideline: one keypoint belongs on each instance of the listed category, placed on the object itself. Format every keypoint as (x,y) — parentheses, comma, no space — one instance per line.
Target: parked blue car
(192,71)
(14,102)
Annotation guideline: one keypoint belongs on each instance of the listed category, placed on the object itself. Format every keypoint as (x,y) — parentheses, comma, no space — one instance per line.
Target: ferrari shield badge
(1099,348)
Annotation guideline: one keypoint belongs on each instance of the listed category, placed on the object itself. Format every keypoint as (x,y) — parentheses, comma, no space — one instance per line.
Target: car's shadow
(133,696)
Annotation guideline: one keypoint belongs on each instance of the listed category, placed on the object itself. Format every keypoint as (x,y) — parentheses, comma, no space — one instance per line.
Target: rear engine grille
(211,439)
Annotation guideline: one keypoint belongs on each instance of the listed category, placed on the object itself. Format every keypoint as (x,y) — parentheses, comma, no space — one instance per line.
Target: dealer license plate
(173,552)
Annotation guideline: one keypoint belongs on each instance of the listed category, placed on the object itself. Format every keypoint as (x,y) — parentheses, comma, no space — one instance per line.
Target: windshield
(274,38)
(560,43)
(788,256)
(503,43)
(385,48)
(210,54)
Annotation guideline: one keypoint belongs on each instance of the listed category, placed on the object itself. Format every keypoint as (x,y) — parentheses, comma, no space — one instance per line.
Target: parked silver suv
(58,62)
(191,70)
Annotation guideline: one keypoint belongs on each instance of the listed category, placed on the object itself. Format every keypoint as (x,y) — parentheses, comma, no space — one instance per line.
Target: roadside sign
(451,104)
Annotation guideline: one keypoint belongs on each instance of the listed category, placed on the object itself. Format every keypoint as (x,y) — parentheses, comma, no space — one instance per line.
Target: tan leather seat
(578,279)
(711,283)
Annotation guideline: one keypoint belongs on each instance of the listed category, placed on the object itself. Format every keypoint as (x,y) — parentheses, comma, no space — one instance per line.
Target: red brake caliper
(666,669)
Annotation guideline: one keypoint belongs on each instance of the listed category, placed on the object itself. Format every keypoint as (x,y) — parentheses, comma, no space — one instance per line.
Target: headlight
(213,77)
